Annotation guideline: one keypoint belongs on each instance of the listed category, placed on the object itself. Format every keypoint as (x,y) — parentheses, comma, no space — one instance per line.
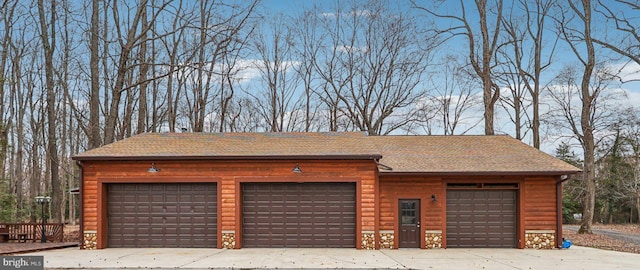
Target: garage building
(320,190)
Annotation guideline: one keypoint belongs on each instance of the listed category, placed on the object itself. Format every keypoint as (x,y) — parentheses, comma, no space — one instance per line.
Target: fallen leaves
(605,242)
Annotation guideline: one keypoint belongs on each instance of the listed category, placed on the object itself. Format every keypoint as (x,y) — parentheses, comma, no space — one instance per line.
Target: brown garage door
(481,218)
(298,215)
(162,215)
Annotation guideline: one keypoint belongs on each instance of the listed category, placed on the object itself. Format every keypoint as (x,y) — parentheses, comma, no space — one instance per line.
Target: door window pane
(408,213)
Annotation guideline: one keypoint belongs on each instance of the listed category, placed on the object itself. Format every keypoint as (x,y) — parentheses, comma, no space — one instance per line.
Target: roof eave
(250,157)
(467,173)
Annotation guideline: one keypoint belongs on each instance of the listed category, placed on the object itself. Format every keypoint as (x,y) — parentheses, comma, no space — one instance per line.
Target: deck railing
(32,232)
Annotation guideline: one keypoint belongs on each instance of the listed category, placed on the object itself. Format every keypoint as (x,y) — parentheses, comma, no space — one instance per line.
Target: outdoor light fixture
(297,169)
(153,168)
(433,198)
(42,200)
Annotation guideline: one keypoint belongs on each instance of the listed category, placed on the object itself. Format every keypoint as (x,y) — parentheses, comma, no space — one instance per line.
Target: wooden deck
(31,232)
(17,248)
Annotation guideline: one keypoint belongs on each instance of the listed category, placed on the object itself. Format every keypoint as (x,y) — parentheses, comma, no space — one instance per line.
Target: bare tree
(127,44)
(209,47)
(123,66)
(95,139)
(584,131)
(631,135)
(569,116)
(372,67)
(142,78)
(48,39)
(273,44)
(625,40)
(454,97)
(7,9)
(482,48)
(171,46)
(226,95)
(306,51)
(526,54)
(536,21)
(22,105)
(9,55)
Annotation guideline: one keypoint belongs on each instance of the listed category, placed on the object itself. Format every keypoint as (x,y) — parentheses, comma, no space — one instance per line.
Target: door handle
(418,224)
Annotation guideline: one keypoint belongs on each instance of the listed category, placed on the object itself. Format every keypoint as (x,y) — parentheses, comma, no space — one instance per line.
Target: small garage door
(298,215)
(481,218)
(162,215)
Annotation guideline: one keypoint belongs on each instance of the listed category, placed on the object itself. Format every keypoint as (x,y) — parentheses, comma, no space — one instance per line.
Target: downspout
(561,179)
(81,228)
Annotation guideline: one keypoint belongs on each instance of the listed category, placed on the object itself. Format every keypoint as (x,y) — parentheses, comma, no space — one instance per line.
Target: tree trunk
(588,141)
(4,52)
(536,117)
(121,74)
(48,38)
(142,107)
(638,207)
(491,92)
(95,139)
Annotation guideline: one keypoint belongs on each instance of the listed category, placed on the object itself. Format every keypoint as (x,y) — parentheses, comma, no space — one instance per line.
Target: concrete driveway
(573,258)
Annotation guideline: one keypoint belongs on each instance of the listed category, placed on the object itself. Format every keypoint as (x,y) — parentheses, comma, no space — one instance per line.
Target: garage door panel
(481,218)
(162,215)
(298,214)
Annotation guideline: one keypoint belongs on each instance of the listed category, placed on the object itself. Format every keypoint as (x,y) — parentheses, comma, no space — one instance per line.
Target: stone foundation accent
(540,239)
(387,239)
(90,240)
(368,240)
(433,239)
(228,239)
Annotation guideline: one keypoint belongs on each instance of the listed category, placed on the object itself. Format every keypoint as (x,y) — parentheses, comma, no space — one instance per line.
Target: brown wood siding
(393,188)
(89,195)
(227,174)
(540,204)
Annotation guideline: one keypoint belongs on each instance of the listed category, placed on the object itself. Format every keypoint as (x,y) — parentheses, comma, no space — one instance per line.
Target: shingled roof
(316,145)
(466,155)
(399,154)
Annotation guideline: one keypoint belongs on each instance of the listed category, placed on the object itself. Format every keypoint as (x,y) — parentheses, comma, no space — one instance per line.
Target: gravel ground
(601,241)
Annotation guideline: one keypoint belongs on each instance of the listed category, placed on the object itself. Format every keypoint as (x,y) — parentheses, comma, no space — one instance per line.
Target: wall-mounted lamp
(153,168)
(297,169)
(433,198)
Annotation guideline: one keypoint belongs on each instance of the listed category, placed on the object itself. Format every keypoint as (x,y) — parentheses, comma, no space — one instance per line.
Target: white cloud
(352,49)
(243,71)
(355,13)
(284,66)
(627,72)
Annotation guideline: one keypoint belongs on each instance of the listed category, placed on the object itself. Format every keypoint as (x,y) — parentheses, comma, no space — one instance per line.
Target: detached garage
(320,190)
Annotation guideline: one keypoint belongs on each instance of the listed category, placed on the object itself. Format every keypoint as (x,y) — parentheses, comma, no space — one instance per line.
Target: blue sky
(562,56)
